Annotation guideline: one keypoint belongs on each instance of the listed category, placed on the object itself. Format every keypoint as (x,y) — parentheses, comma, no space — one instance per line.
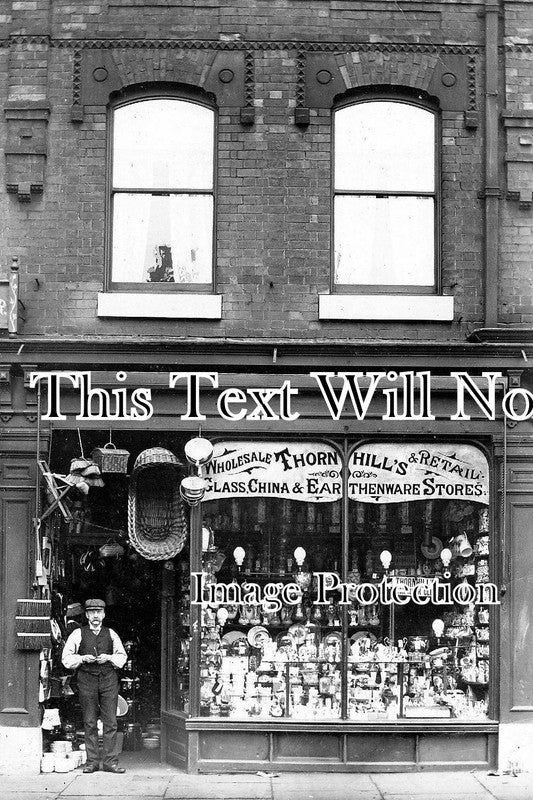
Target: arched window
(385,197)
(162,195)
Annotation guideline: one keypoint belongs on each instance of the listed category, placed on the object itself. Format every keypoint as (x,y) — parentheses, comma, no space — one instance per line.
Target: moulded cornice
(268,355)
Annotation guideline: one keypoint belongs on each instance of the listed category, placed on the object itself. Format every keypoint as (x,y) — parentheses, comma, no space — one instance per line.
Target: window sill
(417,307)
(160,306)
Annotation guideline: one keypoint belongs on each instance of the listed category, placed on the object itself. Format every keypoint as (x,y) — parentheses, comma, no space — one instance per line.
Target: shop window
(269,663)
(385,210)
(440,545)
(161,209)
(406,527)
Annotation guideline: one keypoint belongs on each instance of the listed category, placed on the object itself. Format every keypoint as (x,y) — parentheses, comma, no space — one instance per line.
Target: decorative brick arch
(449,77)
(114,69)
(415,70)
(134,67)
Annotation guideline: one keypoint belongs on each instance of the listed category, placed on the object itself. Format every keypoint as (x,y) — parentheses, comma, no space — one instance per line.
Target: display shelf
(244,682)
(310,687)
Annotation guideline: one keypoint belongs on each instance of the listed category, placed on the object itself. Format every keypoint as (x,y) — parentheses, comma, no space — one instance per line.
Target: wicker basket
(110,459)
(111,550)
(156,521)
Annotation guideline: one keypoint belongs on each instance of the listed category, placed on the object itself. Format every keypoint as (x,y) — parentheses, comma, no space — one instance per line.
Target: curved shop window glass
(418,518)
(272,522)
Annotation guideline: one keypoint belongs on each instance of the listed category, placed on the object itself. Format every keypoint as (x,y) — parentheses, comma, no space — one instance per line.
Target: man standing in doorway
(96,652)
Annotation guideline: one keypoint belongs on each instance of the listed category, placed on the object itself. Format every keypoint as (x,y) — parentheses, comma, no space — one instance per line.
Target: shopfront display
(327,589)
(348,651)
(344,589)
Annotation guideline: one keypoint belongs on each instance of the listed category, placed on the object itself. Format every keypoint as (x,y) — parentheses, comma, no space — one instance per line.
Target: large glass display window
(345,587)
(418,518)
(276,654)
(271,524)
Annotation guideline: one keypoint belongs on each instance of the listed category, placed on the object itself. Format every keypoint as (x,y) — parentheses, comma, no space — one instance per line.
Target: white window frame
(158,299)
(388,301)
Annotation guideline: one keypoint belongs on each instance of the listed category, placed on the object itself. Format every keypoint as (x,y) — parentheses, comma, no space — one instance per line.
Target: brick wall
(516,268)
(273,236)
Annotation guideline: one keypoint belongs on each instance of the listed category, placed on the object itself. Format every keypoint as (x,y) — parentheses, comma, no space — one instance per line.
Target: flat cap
(94,604)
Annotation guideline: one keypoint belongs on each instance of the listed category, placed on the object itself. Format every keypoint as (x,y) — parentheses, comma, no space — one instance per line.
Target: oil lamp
(303,579)
(446,557)
(438,628)
(385,557)
(222,616)
(238,555)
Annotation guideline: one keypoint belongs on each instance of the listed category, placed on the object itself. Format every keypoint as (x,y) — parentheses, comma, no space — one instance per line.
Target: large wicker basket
(157,526)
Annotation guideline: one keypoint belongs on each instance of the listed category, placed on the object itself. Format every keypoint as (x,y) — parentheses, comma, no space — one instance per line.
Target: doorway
(92,558)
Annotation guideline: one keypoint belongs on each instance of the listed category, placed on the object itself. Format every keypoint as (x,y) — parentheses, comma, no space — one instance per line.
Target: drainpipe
(491,192)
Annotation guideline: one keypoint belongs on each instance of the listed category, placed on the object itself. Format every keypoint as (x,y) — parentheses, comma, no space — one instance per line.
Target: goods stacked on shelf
(352,660)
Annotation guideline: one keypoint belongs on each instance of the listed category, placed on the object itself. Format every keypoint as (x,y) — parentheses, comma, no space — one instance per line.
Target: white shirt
(71,659)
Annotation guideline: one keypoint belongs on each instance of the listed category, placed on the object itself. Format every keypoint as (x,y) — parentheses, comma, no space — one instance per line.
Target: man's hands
(101,659)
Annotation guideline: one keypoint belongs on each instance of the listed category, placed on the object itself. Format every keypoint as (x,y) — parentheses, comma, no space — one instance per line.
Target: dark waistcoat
(95,646)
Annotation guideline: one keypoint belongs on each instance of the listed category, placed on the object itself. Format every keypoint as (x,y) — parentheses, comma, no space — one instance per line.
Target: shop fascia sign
(399,473)
(304,472)
(378,473)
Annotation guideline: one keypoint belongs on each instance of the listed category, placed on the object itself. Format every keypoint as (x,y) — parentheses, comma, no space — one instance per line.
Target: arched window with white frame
(385,197)
(162,195)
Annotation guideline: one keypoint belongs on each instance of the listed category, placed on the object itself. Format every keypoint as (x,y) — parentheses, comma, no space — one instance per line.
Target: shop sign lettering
(309,473)
(386,473)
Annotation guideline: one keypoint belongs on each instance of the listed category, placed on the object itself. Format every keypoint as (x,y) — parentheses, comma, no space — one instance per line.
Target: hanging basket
(110,459)
(111,550)
(157,526)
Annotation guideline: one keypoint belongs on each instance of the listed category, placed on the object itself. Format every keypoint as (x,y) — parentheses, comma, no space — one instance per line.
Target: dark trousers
(98,699)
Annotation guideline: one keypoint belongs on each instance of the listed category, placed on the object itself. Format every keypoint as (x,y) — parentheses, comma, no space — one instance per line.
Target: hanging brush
(27,625)
(32,622)
(33,641)
(34,608)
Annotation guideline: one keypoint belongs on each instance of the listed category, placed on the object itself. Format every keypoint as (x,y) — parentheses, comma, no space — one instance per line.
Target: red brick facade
(273,214)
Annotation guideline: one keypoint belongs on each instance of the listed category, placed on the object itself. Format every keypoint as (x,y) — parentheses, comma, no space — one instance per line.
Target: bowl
(76,757)
(61,747)
(151,742)
(48,762)
(63,764)
(154,729)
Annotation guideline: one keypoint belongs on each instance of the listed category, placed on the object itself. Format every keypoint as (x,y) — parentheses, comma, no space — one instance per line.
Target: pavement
(150,780)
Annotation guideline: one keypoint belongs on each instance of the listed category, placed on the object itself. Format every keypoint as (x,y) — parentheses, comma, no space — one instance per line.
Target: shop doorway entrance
(131,588)
(90,557)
